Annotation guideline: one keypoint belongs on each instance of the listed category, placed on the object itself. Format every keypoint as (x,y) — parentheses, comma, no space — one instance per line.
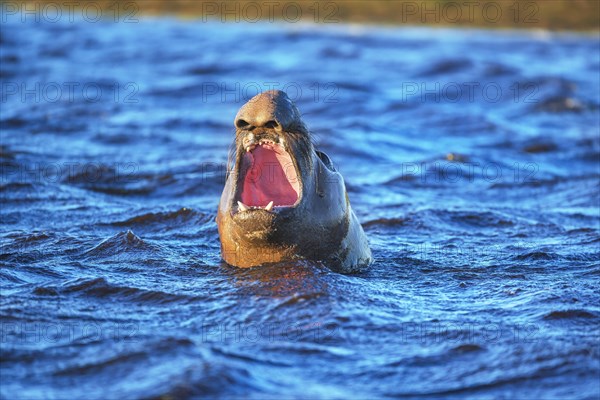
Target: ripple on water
(121,243)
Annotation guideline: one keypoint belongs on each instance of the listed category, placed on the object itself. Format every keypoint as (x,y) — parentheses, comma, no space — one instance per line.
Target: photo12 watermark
(449,171)
(470,92)
(456,332)
(70,172)
(326,12)
(268,332)
(241,92)
(466,12)
(21,333)
(69,92)
(70,11)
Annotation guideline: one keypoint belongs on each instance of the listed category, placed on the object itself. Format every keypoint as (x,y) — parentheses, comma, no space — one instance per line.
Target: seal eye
(241,124)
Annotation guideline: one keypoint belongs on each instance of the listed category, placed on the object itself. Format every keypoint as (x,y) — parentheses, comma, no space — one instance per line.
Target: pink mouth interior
(269,175)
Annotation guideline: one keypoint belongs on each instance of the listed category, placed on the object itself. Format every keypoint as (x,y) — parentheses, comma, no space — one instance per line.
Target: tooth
(269,206)
(249,142)
(242,206)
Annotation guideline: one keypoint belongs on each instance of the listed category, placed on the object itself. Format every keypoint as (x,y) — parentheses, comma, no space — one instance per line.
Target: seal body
(283,200)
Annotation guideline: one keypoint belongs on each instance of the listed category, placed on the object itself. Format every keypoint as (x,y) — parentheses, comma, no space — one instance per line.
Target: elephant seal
(283,200)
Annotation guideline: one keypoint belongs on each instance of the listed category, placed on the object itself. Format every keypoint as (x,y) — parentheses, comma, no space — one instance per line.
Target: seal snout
(272,110)
(256,122)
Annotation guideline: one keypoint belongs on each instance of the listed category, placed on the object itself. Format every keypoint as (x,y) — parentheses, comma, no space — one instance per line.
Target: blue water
(471,159)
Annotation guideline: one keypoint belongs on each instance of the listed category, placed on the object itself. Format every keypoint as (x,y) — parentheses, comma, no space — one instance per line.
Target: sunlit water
(471,158)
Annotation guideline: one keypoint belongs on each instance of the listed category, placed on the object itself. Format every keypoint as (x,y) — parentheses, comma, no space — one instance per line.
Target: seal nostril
(242,124)
(272,124)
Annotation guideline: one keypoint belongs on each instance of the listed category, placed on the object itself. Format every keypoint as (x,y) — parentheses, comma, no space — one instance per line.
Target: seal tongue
(269,175)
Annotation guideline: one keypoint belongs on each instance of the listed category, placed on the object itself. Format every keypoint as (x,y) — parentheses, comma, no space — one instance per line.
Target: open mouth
(268,177)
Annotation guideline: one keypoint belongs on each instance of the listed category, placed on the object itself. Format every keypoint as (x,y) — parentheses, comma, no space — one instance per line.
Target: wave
(537,256)
(562,104)
(101,288)
(131,357)
(181,216)
(570,314)
(385,222)
(121,243)
(448,66)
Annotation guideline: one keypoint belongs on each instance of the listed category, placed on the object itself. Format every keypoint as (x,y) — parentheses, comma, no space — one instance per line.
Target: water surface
(471,158)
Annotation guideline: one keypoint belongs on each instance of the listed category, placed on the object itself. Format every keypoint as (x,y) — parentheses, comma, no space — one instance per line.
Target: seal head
(283,200)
